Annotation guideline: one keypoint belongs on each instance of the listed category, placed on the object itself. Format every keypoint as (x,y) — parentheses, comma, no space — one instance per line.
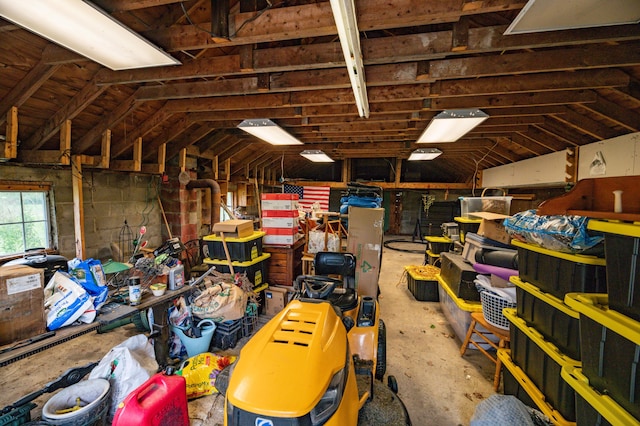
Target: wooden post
(9,148)
(65,143)
(78,205)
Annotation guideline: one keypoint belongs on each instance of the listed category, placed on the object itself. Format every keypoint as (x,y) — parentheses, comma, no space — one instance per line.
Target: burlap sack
(220,302)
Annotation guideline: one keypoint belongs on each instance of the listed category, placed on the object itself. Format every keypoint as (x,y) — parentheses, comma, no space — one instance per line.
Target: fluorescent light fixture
(316,156)
(451,125)
(268,131)
(344,13)
(424,154)
(83,28)
(553,15)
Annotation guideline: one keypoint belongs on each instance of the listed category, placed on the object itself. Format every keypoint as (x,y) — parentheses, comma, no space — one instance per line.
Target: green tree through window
(24,221)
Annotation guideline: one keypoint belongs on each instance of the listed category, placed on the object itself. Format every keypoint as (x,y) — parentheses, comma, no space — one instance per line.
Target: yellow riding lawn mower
(320,361)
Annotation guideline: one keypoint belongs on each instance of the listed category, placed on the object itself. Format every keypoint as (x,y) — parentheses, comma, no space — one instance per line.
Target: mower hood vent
(296,328)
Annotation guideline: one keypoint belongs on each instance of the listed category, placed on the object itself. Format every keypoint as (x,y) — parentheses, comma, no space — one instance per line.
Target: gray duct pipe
(215,196)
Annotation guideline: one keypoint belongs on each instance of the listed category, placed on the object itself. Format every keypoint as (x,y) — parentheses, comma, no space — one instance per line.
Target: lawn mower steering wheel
(319,287)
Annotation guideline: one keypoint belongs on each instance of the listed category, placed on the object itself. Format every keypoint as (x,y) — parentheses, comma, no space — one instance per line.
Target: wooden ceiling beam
(27,86)
(621,116)
(585,124)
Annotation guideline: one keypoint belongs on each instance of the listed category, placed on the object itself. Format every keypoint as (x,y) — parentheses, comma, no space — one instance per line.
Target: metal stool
(501,334)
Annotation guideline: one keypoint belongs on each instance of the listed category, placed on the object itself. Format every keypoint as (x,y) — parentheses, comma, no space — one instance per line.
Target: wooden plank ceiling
(282,60)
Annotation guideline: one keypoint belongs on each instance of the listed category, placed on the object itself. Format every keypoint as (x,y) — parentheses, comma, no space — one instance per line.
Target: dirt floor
(437,385)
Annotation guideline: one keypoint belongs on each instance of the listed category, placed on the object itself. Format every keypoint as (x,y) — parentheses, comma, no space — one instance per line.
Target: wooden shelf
(594,198)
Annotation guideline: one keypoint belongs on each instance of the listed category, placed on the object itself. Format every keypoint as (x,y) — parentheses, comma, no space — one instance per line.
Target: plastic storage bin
(458,314)
(557,322)
(459,276)
(560,273)
(422,283)
(466,225)
(438,244)
(227,334)
(622,254)
(476,248)
(240,249)
(592,407)
(501,205)
(542,362)
(517,383)
(610,347)
(256,270)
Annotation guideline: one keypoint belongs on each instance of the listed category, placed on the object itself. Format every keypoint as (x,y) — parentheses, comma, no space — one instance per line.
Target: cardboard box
(276,298)
(366,229)
(21,303)
(279,204)
(281,240)
(491,226)
(237,228)
(280,222)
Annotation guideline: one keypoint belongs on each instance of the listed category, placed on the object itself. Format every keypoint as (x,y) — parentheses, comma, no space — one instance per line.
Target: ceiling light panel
(83,28)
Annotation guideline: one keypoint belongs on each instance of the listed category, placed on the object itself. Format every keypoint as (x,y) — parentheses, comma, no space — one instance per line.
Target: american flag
(309,195)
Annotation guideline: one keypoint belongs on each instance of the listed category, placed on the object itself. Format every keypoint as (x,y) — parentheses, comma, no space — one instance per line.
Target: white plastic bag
(126,366)
(64,301)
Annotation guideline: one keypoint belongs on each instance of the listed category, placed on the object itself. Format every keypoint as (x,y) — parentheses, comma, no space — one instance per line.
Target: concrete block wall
(110,199)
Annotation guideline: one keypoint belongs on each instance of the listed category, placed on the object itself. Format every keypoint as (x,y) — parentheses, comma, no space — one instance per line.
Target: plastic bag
(566,234)
(507,410)
(90,275)
(126,366)
(220,302)
(201,371)
(316,242)
(65,301)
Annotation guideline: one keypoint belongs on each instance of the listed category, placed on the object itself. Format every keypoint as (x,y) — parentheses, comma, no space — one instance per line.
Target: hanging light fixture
(423,154)
(316,156)
(87,30)
(268,131)
(451,125)
(344,13)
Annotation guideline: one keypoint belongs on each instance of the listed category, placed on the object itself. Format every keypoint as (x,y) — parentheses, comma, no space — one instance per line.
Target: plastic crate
(622,254)
(431,258)
(560,273)
(466,225)
(517,383)
(227,334)
(438,244)
(256,269)
(492,306)
(250,319)
(557,322)
(592,407)
(468,205)
(610,347)
(459,275)
(542,362)
(458,314)
(240,249)
(423,287)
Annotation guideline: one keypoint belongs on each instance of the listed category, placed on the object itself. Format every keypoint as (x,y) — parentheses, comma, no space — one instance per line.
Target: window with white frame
(25,219)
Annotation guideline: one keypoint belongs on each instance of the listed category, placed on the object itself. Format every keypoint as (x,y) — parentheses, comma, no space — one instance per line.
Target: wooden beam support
(65,143)
(78,206)
(133,165)
(9,147)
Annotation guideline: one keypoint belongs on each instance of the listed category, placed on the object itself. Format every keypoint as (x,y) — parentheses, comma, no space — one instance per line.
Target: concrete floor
(437,385)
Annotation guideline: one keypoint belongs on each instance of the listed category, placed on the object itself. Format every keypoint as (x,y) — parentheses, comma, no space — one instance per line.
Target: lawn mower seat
(328,263)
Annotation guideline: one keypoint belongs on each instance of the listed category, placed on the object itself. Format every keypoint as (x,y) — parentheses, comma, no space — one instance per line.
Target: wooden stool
(503,335)
(307,264)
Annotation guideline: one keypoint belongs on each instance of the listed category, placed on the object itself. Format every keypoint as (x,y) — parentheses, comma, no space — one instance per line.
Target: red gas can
(160,401)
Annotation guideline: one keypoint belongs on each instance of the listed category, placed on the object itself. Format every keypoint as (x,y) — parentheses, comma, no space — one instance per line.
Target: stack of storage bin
(435,246)
(545,337)
(280,219)
(607,386)
(458,294)
(245,253)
